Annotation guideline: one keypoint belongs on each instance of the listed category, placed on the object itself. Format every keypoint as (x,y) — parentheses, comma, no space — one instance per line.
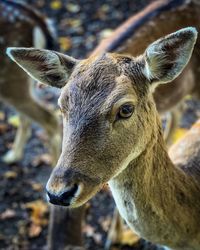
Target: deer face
(108,111)
(101,107)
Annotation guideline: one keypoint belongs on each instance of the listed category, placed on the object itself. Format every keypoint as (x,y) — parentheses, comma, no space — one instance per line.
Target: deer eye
(125,111)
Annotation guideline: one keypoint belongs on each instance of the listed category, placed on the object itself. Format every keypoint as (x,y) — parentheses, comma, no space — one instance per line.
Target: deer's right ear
(48,67)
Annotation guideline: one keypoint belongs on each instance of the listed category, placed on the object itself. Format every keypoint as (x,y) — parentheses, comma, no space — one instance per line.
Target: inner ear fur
(167,57)
(49,67)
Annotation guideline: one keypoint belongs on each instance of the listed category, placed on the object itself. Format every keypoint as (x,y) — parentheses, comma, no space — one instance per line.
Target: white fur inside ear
(147,71)
(45,66)
(166,58)
(153,63)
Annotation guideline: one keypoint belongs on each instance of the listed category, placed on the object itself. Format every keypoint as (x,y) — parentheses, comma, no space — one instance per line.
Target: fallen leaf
(42,159)
(105,8)
(56,5)
(105,33)
(38,212)
(188,97)
(180,132)
(2,116)
(129,237)
(74,22)
(105,223)
(10,174)
(97,238)
(14,121)
(65,43)
(7,214)
(3,128)
(88,230)
(37,186)
(34,230)
(73,8)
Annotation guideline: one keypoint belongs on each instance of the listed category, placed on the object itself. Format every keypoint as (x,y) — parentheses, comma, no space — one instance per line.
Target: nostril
(52,198)
(64,198)
(68,195)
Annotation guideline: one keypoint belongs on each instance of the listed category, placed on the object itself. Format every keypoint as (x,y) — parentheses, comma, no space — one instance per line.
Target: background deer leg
(115,231)
(46,119)
(23,133)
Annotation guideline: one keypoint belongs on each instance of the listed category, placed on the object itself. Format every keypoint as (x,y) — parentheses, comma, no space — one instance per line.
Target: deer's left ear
(166,58)
(46,66)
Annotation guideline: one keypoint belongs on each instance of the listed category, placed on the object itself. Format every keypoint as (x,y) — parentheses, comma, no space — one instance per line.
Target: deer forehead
(99,82)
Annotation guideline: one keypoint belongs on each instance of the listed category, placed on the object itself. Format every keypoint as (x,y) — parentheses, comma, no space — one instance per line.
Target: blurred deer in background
(112,133)
(156,20)
(21,25)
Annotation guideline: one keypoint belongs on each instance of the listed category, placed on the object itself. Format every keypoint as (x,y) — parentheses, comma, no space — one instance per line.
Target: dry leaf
(74,22)
(38,211)
(14,121)
(10,174)
(97,238)
(65,43)
(7,214)
(42,159)
(3,128)
(37,186)
(34,230)
(129,237)
(105,223)
(2,116)
(105,33)
(74,8)
(56,5)
(88,230)
(180,132)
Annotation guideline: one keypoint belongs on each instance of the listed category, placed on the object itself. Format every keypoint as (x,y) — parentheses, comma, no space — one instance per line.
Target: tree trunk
(65,227)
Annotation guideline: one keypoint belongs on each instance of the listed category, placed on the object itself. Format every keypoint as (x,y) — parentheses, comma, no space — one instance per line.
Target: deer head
(109,116)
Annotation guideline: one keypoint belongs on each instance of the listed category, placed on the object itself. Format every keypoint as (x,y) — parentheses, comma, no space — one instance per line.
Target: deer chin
(83,195)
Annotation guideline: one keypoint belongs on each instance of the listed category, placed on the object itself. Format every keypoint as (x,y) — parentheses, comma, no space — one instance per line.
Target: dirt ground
(23,209)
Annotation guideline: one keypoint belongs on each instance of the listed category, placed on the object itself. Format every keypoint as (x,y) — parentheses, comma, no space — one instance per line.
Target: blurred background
(78,26)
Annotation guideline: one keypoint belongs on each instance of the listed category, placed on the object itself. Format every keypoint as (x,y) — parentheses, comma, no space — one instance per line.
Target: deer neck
(151,191)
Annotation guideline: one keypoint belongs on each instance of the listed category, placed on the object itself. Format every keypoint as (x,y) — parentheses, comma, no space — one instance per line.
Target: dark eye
(125,111)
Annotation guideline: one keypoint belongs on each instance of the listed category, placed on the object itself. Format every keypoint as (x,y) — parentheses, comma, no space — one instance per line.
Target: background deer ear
(166,58)
(45,66)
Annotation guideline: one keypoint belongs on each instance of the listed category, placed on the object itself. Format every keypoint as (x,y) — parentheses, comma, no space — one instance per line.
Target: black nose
(64,198)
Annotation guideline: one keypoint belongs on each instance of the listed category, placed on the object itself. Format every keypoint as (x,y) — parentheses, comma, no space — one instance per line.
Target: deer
(133,36)
(22,25)
(112,134)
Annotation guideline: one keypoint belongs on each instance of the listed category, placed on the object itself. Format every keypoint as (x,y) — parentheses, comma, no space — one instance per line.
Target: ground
(23,210)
